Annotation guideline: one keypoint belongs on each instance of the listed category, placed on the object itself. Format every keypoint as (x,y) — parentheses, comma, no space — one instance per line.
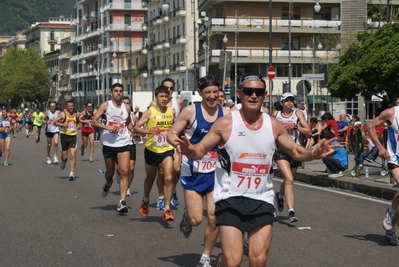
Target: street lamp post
(195,42)
(116,55)
(258,27)
(316,8)
(270,53)
(225,60)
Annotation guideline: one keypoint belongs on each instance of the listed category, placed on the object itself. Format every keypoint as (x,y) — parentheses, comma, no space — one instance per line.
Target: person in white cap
(294,123)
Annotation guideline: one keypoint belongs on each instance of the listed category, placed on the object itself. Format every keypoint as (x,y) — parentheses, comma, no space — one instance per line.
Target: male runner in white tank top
(51,131)
(243,191)
(116,141)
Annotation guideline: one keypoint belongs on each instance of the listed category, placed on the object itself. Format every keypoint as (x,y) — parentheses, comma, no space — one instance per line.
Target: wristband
(296,127)
(313,156)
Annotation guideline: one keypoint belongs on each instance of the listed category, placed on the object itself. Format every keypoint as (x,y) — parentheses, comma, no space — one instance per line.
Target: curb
(369,188)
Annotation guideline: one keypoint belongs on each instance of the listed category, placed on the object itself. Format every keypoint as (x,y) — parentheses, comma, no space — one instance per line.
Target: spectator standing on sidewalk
(338,162)
(391,117)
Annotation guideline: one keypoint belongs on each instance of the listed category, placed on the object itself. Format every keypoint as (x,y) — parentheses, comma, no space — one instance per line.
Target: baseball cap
(287,95)
(206,81)
(250,77)
(26,109)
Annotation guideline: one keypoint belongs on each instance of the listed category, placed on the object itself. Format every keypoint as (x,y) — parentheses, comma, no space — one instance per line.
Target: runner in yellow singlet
(158,151)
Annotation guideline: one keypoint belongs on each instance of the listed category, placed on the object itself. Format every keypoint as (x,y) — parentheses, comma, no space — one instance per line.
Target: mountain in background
(18,15)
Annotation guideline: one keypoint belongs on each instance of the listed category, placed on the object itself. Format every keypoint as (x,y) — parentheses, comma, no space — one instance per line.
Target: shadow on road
(379,239)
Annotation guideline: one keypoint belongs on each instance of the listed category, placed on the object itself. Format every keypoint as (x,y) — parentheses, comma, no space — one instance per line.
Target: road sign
(313,77)
(225,56)
(271,72)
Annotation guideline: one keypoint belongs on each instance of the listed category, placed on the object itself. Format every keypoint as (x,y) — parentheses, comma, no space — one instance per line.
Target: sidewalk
(376,186)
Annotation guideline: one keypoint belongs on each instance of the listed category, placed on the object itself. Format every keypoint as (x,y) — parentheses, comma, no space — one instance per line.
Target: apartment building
(44,37)
(171,44)
(105,30)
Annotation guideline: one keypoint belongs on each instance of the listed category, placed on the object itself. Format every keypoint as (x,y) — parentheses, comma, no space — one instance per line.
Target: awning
(320,99)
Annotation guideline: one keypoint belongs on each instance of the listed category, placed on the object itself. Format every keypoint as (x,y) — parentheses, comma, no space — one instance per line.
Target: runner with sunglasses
(243,193)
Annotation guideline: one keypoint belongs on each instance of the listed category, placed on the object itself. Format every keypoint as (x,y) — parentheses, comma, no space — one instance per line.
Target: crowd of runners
(208,146)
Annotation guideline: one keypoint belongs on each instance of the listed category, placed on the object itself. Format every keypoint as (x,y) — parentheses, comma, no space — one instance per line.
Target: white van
(189,97)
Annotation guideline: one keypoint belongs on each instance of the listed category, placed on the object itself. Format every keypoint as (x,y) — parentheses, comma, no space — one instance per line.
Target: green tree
(369,66)
(23,77)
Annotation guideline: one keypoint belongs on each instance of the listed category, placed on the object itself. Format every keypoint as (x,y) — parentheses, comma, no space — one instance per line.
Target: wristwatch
(296,127)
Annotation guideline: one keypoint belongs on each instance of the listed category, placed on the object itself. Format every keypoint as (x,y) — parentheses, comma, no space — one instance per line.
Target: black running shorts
(244,213)
(154,159)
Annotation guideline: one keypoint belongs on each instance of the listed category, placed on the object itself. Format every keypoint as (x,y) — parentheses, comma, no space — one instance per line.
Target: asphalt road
(46,220)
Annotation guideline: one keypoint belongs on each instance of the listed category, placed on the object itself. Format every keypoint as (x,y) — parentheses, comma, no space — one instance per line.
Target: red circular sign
(271,72)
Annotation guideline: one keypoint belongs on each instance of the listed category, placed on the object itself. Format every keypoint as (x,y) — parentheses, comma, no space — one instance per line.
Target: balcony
(124,6)
(158,71)
(179,12)
(144,73)
(258,55)
(279,25)
(144,3)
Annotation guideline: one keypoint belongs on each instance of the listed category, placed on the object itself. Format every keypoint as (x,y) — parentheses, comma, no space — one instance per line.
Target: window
(294,43)
(127,18)
(52,47)
(296,13)
(324,14)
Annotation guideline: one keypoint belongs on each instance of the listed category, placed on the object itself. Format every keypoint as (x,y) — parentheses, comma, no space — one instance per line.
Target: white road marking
(353,194)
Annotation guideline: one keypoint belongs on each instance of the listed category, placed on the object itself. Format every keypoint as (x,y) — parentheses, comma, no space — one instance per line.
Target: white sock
(290,210)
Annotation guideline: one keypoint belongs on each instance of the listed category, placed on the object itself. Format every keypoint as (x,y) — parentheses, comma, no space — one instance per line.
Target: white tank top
(293,118)
(393,137)
(245,162)
(116,116)
(175,107)
(51,128)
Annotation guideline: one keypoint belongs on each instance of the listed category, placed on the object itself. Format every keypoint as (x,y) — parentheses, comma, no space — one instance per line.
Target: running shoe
(5,164)
(55,160)
(71,176)
(105,190)
(291,217)
(48,160)
(336,175)
(117,177)
(204,262)
(63,165)
(90,159)
(144,209)
(128,193)
(391,238)
(388,219)
(160,203)
(280,202)
(82,151)
(122,207)
(185,228)
(1,154)
(175,201)
(167,215)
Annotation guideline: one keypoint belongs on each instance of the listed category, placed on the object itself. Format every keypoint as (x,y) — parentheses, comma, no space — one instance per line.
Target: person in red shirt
(13,119)
(87,130)
(330,124)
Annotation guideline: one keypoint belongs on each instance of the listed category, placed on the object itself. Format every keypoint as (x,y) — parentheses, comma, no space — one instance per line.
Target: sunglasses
(249,91)
(169,87)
